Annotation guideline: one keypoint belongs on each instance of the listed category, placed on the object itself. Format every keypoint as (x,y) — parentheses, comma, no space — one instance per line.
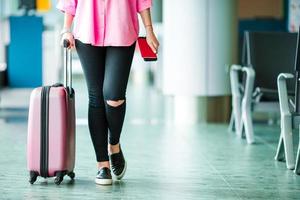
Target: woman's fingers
(72,43)
(153,48)
(70,38)
(156,45)
(152,42)
(153,45)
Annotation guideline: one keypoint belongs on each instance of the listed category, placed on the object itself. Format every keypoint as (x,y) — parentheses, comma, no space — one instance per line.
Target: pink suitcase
(51,129)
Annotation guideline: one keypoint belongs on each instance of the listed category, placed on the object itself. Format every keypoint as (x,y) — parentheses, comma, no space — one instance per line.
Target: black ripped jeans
(106,71)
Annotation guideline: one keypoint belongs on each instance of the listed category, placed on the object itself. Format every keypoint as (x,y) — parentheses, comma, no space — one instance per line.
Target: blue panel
(25,51)
(262,25)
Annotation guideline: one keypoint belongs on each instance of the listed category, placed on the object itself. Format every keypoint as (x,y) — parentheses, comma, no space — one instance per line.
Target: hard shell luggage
(51,128)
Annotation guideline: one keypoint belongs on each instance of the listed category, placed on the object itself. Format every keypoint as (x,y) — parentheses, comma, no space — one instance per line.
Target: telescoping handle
(67,65)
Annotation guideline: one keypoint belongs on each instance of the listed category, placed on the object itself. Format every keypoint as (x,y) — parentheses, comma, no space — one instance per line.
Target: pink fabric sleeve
(143,4)
(68,6)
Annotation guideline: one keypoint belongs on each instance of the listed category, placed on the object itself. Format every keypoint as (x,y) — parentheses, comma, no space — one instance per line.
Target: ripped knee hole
(115,103)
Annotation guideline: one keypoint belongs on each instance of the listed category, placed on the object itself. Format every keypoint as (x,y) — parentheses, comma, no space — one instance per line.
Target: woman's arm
(150,36)
(66,32)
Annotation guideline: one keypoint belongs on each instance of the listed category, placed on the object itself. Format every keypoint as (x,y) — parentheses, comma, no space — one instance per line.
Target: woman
(105,34)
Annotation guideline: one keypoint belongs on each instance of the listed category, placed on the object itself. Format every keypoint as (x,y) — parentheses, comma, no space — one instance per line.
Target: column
(199,45)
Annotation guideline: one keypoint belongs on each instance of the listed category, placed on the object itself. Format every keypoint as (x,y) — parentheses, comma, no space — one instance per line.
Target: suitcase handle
(67,65)
(66,43)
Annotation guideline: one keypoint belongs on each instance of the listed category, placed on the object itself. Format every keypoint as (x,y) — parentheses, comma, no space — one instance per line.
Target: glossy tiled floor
(165,161)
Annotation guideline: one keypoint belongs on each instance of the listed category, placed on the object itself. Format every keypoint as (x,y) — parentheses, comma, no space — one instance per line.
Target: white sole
(123,172)
(103,181)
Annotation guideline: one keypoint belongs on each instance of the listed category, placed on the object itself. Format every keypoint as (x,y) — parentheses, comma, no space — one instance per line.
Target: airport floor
(165,161)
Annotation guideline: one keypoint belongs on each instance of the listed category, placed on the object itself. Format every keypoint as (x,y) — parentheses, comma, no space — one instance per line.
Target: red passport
(145,50)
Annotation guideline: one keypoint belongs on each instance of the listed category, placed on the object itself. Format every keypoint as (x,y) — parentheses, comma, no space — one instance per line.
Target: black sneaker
(104,177)
(118,164)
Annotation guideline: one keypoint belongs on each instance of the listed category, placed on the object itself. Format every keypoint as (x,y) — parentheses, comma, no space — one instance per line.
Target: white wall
(1,33)
(199,44)
(7,7)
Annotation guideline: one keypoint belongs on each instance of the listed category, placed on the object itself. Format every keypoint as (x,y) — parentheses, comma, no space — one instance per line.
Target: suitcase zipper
(44,131)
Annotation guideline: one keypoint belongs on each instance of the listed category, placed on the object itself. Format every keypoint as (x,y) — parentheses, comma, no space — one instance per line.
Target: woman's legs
(93,62)
(117,68)
(106,70)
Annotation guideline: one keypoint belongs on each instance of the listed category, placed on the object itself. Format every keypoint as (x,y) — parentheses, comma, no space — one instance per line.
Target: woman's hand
(68,36)
(150,36)
(152,40)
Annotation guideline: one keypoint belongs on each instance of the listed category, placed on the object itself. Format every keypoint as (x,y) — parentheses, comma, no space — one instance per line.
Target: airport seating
(253,84)
(290,115)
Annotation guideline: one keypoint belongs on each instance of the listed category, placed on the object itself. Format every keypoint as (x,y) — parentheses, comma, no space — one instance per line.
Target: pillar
(199,45)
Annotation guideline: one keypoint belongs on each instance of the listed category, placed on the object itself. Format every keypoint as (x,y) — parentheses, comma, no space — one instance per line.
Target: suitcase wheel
(59,177)
(33,176)
(71,175)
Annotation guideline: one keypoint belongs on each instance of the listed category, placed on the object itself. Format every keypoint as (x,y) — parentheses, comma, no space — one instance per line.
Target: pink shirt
(105,22)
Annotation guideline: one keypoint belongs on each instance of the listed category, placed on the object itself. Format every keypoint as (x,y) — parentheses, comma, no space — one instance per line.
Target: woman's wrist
(149,28)
(65,30)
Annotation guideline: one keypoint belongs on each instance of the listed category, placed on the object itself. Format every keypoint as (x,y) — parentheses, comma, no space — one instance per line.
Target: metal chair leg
(286,136)
(280,150)
(236,99)
(237,115)
(297,166)
(248,125)
(231,123)
(246,105)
